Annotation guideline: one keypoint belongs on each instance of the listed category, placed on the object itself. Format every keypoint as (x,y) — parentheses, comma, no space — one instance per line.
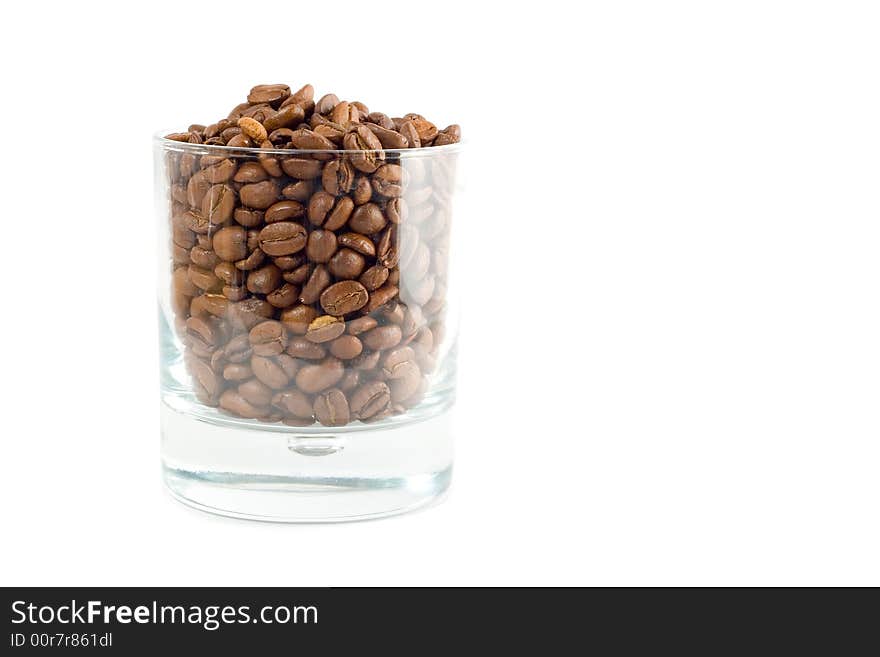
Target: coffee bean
(268,338)
(233,402)
(264,280)
(248,217)
(230,243)
(282,238)
(382,337)
(298,318)
(361,325)
(360,243)
(370,399)
(204,279)
(293,402)
(300,347)
(367,219)
(331,408)
(317,283)
(368,360)
(254,260)
(346,347)
(269,372)
(338,177)
(218,204)
(259,195)
(374,277)
(250,172)
(255,392)
(284,210)
(284,296)
(339,214)
(287,116)
(319,205)
(388,138)
(300,191)
(301,168)
(321,245)
(380,297)
(268,93)
(344,297)
(314,378)
(237,372)
(346,263)
(324,329)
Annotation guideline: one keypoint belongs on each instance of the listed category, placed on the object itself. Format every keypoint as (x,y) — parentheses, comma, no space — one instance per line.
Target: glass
(307,329)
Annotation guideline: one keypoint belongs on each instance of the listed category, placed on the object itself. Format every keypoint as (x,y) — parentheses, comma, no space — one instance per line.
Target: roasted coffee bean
(239,141)
(269,372)
(288,116)
(346,263)
(317,283)
(233,402)
(360,243)
(247,313)
(361,324)
(321,245)
(298,318)
(363,139)
(293,402)
(284,296)
(367,361)
(299,275)
(301,168)
(284,210)
(282,238)
(362,191)
(388,179)
(344,297)
(300,347)
(268,338)
(264,280)
(346,347)
(319,205)
(237,372)
(338,176)
(259,195)
(339,214)
(204,279)
(289,262)
(411,134)
(324,329)
(300,191)
(380,297)
(250,172)
(449,135)
(218,204)
(326,103)
(203,332)
(370,399)
(309,140)
(331,408)
(268,93)
(255,392)
(388,138)
(230,243)
(315,378)
(238,349)
(212,305)
(367,219)
(374,277)
(382,337)
(204,258)
(253,129)
(247,217)
(254,260)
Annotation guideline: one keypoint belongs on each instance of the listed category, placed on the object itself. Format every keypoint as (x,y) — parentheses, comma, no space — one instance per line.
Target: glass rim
(206,149)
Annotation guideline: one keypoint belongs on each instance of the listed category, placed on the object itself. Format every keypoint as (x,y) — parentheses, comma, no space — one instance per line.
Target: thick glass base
(289,474)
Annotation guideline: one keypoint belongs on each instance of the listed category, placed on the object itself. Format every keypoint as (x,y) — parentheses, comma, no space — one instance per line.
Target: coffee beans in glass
(307,327)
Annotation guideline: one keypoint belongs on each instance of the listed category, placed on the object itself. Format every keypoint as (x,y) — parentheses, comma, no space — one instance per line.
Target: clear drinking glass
(307,328)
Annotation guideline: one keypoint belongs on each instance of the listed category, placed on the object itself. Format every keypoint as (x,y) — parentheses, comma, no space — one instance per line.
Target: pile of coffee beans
(309,275)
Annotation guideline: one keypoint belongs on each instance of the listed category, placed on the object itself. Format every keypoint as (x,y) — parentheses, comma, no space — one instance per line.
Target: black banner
(223,621)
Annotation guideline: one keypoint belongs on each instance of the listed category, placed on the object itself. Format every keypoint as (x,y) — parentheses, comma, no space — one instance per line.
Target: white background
(670,353)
